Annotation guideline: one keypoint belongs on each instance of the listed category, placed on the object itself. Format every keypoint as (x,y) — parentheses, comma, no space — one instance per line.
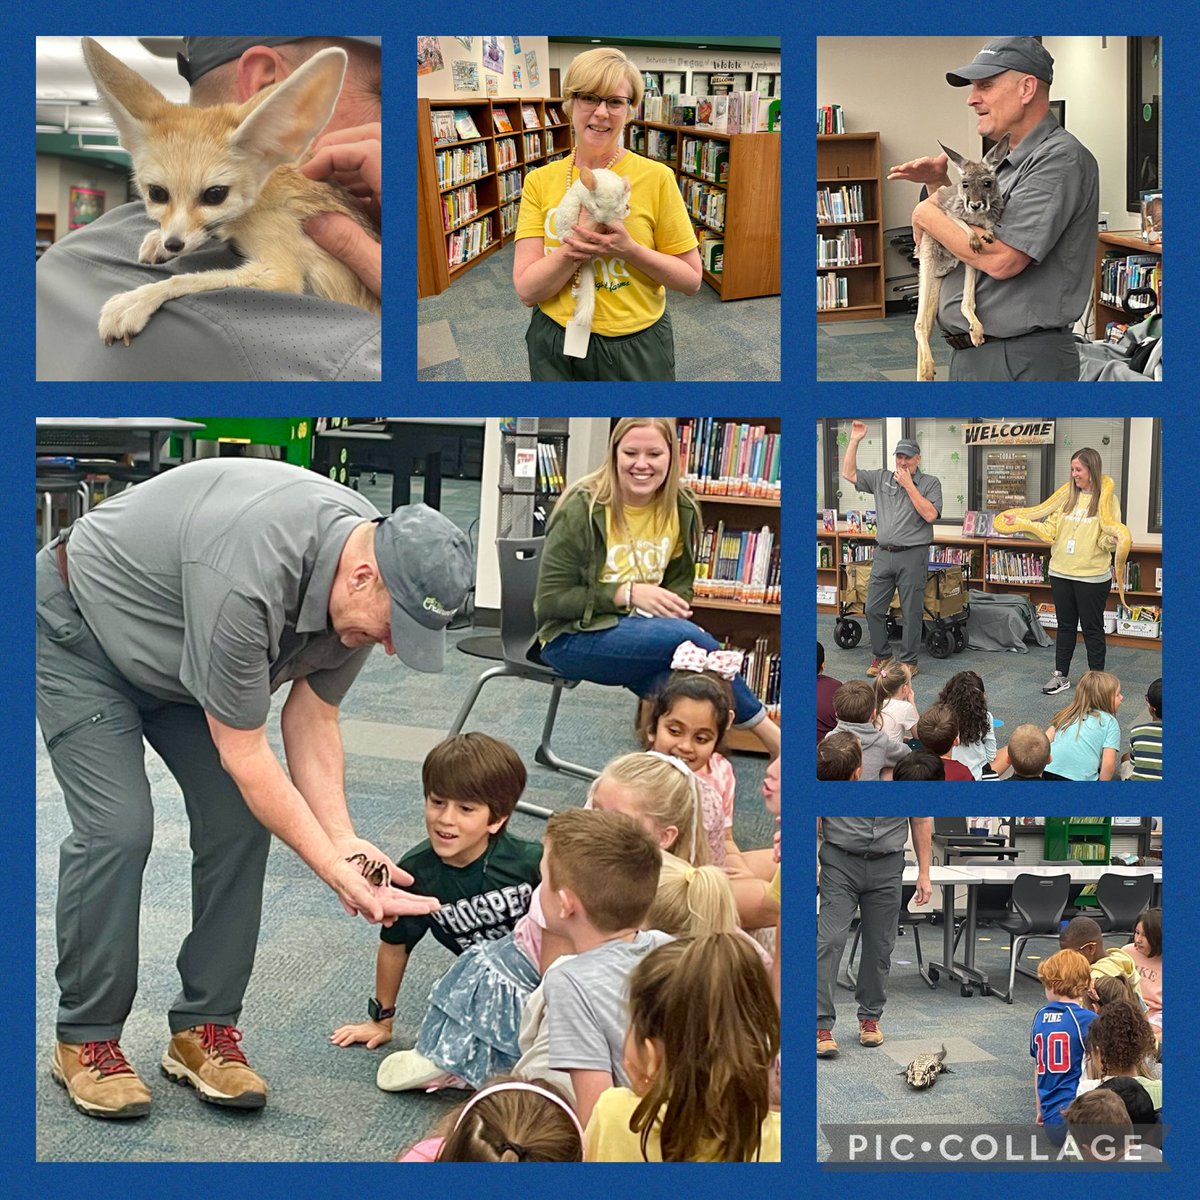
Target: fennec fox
(228,173)
(977,199)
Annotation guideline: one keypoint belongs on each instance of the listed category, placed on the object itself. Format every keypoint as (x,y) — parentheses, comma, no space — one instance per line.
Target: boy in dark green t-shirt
(482,874)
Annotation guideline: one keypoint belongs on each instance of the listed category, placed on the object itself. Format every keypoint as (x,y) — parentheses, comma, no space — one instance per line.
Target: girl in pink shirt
(1146,952)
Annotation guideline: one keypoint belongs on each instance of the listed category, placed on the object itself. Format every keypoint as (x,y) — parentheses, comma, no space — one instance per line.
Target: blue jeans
(636,653)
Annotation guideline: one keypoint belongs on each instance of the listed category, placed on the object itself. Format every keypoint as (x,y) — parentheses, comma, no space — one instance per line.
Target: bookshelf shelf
(852,160)
(751,230)
(1113,240)
(1149,558)
(505,151)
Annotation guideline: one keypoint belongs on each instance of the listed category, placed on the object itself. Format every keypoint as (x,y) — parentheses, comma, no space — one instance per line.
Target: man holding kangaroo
(1035,278)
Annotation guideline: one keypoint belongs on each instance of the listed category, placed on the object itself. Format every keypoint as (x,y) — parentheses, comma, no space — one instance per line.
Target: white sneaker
(1057,682)
(405,1070)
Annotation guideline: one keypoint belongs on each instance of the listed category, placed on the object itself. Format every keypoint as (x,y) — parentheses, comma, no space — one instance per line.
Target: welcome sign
(1008,433)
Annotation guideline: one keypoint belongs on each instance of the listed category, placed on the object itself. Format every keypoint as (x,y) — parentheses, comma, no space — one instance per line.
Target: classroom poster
(466,76)
(429,55)
(467,42)
(493,55)
(531,63)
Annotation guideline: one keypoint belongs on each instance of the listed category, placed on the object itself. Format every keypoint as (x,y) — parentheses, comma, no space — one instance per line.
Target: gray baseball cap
(1025,54)
(201,54)
(426,564)
(907,447)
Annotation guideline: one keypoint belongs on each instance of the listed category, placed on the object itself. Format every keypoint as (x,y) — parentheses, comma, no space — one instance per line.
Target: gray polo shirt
(210,584)
(897,522)
(1053,188)
(866,835)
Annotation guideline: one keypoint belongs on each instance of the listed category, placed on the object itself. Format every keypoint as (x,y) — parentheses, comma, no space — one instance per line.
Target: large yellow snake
(1024,520)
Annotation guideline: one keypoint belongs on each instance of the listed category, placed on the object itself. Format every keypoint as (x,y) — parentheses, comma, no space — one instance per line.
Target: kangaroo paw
(987,237)
(976,334)
(974,242)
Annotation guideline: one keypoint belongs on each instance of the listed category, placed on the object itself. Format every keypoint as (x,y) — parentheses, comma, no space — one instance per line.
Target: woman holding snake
(1082,520)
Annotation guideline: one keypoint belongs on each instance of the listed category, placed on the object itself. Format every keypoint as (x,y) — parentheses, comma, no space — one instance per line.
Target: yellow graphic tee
(644,555)
(627,301)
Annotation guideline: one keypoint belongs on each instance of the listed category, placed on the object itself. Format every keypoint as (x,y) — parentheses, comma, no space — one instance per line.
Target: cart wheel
(985,989)
(847,633)
(938,643)
(893,628)
(963,990)
(960,638)
(934,974)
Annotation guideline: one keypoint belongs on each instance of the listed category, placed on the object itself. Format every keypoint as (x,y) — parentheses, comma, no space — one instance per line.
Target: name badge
(1070,545)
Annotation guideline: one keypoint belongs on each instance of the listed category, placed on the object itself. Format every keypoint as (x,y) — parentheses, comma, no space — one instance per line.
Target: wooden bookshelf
(45,226)
(843,160)
(1130,242)
(1148,557)
(493,191)
(751,229)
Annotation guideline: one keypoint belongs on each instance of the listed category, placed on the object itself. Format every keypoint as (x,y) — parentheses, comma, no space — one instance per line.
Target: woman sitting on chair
(615,585)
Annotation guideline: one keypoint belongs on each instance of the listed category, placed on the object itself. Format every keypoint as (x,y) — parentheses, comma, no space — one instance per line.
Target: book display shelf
(989,566)
(469,179)
(848,170)
(740,214)
(1119,245)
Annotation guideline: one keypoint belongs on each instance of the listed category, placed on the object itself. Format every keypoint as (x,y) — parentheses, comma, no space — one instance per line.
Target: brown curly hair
(1120,1040)
(965,695)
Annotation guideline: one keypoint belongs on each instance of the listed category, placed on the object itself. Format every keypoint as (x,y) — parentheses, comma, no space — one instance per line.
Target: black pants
(1079,605)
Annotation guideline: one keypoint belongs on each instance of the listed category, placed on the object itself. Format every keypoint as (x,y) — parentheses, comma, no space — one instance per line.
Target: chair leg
(472,696)
(545,755)
(47,518)
(922,970)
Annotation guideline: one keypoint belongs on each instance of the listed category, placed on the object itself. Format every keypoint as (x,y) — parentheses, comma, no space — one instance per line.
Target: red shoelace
(106,1057)
(223,1040)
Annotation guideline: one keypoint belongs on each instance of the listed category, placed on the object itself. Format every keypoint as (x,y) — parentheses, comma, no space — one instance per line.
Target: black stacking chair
(1072,910)
(520,559)
(1035,912)
(1122,899)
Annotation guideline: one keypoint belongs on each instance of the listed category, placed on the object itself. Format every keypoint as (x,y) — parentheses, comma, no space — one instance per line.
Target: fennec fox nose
(173,244)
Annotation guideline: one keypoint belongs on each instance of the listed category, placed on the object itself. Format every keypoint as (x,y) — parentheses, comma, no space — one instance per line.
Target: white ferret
(604,195)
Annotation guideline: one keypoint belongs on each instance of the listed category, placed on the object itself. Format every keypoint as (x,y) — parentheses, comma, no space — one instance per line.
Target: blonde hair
(1090,459)
(602,72)
(1029,749)
(891,681)
(1096,692)
(708,1001)
(1067,973)
(666,795)
(603,486)
(691,901)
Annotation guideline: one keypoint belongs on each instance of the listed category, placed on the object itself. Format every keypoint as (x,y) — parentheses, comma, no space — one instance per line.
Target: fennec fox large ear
(130,100)
(279,128)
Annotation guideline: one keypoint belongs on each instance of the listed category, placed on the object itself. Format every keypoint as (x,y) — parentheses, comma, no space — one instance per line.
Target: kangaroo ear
(996,154)
(954,156)
(130,100)
(279,128)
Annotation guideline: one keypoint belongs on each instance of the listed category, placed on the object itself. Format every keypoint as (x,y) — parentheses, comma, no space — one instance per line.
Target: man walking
(170,614)
(861,868)
(907,502)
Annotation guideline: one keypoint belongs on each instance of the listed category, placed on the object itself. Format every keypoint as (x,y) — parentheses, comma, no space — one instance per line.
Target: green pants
(94,722)
(633,357)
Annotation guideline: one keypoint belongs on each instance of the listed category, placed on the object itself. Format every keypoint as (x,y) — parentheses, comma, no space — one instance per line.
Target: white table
(119,435)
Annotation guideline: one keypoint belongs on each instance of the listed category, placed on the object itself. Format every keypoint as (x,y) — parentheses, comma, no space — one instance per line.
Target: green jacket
(569,597)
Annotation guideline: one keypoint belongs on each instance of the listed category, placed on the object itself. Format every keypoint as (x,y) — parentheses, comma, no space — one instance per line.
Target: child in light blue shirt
(1085,736)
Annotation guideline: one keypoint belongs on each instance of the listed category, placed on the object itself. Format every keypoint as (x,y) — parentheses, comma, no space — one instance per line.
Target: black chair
(520,559)
(950,836)
(1122,899)
(1072,909)
(912,920)
(1035,911)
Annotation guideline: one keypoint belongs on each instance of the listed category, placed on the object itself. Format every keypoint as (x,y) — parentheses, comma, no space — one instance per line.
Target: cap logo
(431,605)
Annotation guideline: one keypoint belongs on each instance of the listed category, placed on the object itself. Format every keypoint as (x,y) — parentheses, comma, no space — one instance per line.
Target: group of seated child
(607,1001)
(1101,1029)
(874,732)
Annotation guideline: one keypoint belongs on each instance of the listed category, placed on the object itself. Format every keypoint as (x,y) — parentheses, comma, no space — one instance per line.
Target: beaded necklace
(570,172)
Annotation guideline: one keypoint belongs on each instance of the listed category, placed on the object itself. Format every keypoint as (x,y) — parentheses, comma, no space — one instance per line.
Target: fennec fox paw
(153,250)
(125,316)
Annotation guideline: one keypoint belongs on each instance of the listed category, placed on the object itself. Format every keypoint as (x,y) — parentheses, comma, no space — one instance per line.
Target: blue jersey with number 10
(1056,1043)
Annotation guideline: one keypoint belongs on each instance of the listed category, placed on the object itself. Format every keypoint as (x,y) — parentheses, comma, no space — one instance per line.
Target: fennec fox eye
(158,194)
(214,195)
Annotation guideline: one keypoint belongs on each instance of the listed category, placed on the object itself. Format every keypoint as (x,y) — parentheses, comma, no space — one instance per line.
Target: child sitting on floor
(920,765)
(895,702)
(1029,752)
(1144,758)
(1121,1042)
(1058,1037)
(856,714)
(976,747)
(937,730)
(703,1033)
(1083,934)
(1146,952)
(1085,736)
(840,756)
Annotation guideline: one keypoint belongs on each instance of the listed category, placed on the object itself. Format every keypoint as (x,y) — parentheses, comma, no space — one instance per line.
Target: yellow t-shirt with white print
(627,301)
(1076,552)
(641,557)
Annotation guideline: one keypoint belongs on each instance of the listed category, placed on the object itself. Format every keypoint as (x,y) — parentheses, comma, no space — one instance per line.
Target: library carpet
(877,351)
(475,330)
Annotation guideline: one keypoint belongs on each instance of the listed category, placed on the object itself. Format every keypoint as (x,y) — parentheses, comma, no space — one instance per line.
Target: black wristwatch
(376,1013)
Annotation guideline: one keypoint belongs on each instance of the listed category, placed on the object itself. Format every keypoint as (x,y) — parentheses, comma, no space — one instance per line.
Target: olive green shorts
(646,355)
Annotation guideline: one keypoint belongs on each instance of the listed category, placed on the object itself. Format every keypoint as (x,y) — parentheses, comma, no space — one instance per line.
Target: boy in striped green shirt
(1145,740)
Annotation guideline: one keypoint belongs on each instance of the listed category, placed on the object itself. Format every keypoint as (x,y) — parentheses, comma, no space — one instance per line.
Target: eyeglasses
(616,104)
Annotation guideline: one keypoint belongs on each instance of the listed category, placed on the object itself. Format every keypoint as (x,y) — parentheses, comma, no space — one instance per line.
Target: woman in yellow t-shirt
(703,1035)
(634,261)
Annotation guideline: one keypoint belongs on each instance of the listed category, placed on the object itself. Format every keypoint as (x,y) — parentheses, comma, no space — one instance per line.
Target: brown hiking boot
(876,664)
(869,1033)
(209,1058)
(99,1080)
(826,1046)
